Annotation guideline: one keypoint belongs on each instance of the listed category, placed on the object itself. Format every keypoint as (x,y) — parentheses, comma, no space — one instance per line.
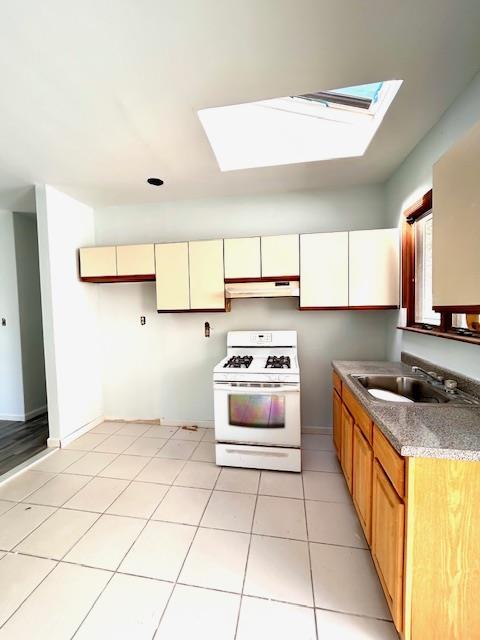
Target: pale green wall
(408,183)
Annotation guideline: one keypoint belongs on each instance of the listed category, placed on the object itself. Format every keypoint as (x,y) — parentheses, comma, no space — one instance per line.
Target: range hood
(275,289)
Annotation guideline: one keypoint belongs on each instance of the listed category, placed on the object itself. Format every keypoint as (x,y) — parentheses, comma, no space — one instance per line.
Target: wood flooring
(21,440)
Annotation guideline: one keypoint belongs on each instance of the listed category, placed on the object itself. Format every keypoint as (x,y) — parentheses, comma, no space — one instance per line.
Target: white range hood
(275,289)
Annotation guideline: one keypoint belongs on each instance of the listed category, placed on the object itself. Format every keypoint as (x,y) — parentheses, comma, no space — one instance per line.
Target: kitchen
(219,462)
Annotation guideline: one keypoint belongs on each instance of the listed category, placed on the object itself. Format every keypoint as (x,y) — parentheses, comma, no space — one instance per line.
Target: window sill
(449,335)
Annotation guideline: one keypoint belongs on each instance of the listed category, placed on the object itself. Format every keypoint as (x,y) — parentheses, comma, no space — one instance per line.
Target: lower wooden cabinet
(337,424)
(424,527)
(362,480)
(388,538)
(346,457)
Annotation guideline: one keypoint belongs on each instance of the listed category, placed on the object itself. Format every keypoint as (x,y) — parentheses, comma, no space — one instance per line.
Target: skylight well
(322,125)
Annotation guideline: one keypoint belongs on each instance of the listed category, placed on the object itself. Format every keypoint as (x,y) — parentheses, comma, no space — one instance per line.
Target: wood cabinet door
(362,480)
(98,261)
(337,423)
(280,256)
(374,268)
(242,258)
(171,269)
(207,282)
(324,270)
(135,260)
(346,458)
(388,535)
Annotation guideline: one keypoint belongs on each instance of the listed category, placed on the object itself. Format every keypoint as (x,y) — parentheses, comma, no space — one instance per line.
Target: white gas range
(257,401)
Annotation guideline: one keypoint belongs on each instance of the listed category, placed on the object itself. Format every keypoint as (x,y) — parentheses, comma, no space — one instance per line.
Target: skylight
(322,125)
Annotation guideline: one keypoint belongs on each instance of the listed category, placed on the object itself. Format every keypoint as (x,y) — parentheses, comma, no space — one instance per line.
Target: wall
(11,383)
(408,183)
(70,319)
(164,369)
(30,309)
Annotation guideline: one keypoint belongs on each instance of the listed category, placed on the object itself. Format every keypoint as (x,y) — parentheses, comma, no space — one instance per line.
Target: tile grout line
(248,555)
(170,485)
(310,561)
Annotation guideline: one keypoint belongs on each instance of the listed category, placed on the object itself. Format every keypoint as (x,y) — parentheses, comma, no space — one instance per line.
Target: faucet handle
(451,385)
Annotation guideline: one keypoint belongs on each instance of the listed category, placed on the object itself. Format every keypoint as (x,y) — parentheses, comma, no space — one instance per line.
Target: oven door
(257,413)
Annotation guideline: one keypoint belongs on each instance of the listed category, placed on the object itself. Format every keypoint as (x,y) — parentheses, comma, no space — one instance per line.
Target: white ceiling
(97,95)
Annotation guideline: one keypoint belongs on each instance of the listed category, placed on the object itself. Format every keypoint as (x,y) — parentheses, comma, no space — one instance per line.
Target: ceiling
(97,95)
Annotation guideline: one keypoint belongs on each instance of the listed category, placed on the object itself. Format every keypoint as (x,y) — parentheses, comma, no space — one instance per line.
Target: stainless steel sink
(409,387)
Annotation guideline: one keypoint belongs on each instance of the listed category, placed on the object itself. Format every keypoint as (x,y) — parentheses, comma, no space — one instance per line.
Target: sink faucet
(435,377)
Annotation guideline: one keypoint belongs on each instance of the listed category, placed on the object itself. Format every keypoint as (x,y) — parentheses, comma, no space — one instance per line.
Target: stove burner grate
(278,362)
(238,362)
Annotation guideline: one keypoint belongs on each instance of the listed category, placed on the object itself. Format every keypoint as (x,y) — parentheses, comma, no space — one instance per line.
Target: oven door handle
(247,388)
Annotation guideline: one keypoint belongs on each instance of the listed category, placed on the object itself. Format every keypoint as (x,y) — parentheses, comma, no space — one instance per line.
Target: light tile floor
(133,532)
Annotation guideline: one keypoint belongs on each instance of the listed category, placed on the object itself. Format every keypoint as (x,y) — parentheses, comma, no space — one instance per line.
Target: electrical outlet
(4,322)
(143,320)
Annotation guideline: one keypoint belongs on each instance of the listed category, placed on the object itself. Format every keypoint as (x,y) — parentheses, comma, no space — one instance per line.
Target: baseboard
(62,442)
(205,424)
(35,412)
(327,431)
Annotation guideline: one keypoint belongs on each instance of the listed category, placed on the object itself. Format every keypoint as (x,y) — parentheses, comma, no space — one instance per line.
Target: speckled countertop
(416,430)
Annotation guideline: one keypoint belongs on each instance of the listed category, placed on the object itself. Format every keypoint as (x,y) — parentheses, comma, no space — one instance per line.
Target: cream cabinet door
(324,269)
(374,268)
(136,260)
(456,224)
(98,262)
(171,269)
(280,256)
(207,286)
(242,257)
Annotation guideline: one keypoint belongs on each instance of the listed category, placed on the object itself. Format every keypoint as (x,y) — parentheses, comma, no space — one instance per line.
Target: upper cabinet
(374,268)
(98,262)
(280,256)
(171,268)
(324,270)
(207,286)
(242,258)
(456,226)
(136,260)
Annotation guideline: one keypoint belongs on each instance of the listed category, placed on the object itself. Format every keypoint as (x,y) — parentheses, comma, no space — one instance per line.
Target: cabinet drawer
(337,383)
(359,414)
(392,463)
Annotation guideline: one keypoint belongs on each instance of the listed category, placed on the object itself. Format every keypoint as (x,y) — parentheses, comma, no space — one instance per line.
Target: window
(424,312)
(417,259)
(321,125)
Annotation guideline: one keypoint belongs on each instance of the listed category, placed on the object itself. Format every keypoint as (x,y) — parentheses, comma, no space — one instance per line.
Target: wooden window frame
(445,330)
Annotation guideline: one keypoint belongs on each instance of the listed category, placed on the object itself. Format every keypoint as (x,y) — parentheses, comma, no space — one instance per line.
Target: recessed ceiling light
(157,182)
(338,123)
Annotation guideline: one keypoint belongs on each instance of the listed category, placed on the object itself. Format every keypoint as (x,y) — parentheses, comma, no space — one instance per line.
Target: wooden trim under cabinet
(150,277)
(262,279)
(362,308)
